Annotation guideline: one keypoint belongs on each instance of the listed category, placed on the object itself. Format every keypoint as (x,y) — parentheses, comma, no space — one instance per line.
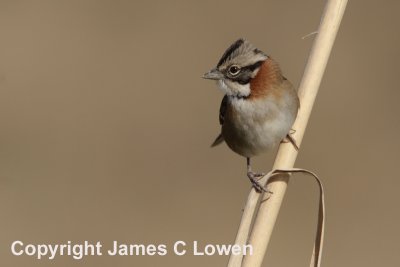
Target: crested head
(242,53)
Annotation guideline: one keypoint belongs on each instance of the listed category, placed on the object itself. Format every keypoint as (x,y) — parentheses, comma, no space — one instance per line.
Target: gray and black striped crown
(240,47)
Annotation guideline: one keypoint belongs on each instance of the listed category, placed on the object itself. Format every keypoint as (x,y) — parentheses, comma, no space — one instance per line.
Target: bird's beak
(213,74)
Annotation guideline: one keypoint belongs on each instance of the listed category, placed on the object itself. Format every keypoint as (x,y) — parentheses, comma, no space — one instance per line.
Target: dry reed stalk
(308,89)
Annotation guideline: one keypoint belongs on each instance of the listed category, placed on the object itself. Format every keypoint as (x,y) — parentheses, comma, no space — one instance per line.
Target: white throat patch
(233,88)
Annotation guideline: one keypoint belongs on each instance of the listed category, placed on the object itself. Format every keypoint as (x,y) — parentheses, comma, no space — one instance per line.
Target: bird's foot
(254,179)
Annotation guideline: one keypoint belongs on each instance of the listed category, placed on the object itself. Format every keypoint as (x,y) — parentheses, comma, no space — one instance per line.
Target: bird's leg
(254,177)
(289,138)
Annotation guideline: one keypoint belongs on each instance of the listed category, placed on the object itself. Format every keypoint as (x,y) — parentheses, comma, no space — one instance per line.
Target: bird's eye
(234,70)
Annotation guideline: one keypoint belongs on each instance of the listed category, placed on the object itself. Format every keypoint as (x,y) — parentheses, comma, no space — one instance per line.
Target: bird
(259,105)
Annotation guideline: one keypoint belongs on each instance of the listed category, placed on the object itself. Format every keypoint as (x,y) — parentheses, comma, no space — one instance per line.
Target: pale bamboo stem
(308,89)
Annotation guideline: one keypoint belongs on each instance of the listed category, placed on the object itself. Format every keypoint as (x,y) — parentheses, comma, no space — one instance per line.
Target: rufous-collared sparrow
(259,106)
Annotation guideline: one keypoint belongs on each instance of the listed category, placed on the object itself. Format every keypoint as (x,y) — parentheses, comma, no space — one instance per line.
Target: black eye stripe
(249,68)
(254,66)
(246,72)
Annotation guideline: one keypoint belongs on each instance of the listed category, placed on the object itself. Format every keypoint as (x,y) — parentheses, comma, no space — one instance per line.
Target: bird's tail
(218,140)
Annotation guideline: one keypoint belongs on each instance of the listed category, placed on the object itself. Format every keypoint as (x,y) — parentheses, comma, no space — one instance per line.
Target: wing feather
(222,111)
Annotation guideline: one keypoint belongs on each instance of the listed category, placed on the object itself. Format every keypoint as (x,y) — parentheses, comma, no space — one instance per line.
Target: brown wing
(222,110)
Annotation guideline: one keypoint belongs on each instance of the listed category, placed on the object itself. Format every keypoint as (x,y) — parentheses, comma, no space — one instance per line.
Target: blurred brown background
(106,126)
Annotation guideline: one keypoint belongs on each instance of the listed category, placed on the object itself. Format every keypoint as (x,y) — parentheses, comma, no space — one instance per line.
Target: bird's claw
(290,139)
(254,179)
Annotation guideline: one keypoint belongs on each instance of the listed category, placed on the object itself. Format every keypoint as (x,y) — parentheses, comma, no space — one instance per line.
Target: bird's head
(237,67)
